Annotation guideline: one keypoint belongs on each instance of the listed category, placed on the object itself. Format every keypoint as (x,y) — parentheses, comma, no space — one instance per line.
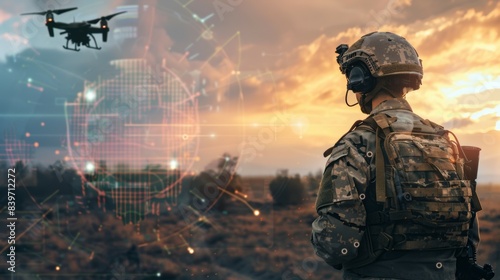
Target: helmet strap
(345,99)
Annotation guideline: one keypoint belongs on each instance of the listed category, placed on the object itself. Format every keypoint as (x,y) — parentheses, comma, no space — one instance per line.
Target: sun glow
(471,84)
(485,112)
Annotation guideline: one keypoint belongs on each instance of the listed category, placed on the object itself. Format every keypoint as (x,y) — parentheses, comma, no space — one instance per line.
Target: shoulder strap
(381,123)
(380,191)
(377,123)
(432,124)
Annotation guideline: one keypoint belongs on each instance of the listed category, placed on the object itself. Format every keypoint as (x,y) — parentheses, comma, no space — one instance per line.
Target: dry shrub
(287,191)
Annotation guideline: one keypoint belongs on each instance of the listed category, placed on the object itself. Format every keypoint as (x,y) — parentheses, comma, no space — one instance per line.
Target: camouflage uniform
(347,193)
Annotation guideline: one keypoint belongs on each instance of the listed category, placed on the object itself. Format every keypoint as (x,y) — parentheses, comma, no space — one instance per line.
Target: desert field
(229,244)
(489,221)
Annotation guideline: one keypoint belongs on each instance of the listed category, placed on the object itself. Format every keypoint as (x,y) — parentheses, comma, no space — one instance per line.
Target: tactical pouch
(426,200)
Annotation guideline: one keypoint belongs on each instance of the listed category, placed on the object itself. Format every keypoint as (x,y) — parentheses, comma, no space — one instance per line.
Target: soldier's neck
(381,97)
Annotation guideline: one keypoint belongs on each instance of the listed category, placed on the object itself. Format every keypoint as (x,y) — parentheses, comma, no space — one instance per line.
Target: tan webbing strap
(432,124)
(441,167)
(426,122)
(441,192)
(380,170)
(381,120)
(381,217)
(430,244)
(440,206)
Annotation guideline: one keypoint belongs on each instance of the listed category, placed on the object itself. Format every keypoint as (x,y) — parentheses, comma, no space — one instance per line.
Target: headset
(359,78)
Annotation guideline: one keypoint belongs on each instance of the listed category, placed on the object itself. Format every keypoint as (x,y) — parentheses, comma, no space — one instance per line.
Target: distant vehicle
(79,33)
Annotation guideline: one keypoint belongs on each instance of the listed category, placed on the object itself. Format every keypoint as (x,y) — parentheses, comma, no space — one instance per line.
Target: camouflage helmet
(384,54)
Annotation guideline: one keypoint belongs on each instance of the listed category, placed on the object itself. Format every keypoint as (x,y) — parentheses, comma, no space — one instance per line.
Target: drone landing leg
(71,49)
(95,43)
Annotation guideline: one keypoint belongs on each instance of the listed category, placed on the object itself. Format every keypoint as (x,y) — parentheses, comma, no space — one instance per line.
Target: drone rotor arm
(95,30)
(94,21)
(60,25)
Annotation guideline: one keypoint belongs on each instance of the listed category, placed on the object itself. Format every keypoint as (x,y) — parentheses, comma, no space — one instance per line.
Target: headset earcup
(360,79)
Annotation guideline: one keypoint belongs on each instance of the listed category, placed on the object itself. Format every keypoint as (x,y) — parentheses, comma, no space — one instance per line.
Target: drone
(79,33)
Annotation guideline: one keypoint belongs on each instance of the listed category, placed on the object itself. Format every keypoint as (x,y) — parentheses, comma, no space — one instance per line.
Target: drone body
(79,33)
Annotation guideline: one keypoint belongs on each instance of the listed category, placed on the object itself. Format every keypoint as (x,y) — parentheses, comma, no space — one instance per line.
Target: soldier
(393,202)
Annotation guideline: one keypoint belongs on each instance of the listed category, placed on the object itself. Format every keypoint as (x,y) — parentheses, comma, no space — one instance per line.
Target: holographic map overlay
(133,138)
(125,126)
(14,150)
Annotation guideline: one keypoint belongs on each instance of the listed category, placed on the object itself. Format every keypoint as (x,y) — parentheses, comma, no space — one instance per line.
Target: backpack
(423,200)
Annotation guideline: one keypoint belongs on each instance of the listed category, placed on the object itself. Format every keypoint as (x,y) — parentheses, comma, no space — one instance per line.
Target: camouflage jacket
(347,191)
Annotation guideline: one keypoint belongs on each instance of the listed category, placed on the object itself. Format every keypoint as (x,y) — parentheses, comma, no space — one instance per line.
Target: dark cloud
(270,29)
(421,11)
(457,123)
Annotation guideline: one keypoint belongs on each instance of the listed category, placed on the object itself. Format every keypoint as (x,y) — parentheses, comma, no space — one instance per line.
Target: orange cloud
(4,16)
(459,58)
(460,86)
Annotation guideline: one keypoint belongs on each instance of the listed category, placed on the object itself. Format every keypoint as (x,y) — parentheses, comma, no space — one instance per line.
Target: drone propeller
(108,17)
(57,12)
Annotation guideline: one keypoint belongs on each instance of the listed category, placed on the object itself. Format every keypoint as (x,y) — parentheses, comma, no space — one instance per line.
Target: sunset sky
(281,100)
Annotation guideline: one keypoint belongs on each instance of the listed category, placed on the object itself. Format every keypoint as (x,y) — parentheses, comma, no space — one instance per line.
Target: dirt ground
(230,244)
